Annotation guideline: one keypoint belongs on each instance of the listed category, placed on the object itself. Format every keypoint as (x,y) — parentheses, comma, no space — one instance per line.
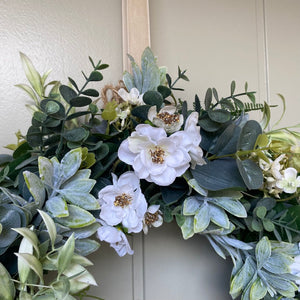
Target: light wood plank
(136,29)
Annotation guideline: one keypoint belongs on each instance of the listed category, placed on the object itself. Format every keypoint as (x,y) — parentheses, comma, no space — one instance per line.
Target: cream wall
(58,35)
(217,41)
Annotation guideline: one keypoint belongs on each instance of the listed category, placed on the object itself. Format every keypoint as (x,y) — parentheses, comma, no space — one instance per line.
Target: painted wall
(217,41)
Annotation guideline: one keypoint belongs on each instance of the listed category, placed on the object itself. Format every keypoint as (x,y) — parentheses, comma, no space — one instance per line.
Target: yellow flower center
(151,218)
(157,155)
(122,200)
(168,118)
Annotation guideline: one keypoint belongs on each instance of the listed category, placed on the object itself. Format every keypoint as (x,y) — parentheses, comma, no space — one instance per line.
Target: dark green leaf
(232,88)
(238,103)
(91,93)
(251,173)
(76,134)
(215,93)
(251,96)
(103,66)
(34,136)
(77,115)
(67,92)
(153,98)
(165,91)
(141,111)
(73,83)
(197,104)
(219,115)
(80,101)
(169,80)
(208,99)
(249,135)
(39,116)
(95,76)
(207,124)
(218,175)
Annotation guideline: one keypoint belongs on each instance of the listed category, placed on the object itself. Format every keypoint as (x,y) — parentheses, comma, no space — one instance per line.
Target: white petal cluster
(154,156)
(153,217)
(133,97)
(123,202)
(277,178)
(166,118)
(190,139)
(116,238)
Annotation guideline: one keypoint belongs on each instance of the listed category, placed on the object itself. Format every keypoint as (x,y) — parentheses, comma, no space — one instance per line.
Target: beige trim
(136,29)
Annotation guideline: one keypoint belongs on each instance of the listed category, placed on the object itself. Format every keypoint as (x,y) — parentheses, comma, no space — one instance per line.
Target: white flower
(123,202)
(167,118)
(190,139)
(153,217)
(116,238)
(133,97)
(154,156)
(290,182)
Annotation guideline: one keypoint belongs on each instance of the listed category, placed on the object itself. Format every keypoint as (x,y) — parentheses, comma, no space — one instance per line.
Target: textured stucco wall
(58,35)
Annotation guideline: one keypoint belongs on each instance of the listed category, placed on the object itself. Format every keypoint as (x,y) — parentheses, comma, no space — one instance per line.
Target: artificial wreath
(94,167)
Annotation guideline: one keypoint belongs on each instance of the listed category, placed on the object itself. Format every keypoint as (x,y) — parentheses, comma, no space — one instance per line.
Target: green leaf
(260,211)
(141,111)
(33,263)
(61,288)
(164,91)
(50,225)
(262,251)
(30,236)
(24,296)
(233,206)
(95,76)
(219,115)
(29,91)
(187,228)
(232,88)
(266,116)
(278,263)
(249,135)
(77,218)
(70,164)
(7,293)
(202,218)
(65,254)
(91,93)
(208,125)
(36,187)
(34,137)
(218,175)
(218,216)
(208,99)
(153,98)
(73,83)
(32,75)
(67,93)
(23,268)
(242,278)
(80,101)
(86,246)
(190,206)
(251,173)
(258,290)
(39,116)
(57,207)
(76,134)
(9,218)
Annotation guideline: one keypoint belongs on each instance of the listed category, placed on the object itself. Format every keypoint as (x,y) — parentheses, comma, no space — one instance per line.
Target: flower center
(157,155)
(122,200)
(168,118)
(151,218)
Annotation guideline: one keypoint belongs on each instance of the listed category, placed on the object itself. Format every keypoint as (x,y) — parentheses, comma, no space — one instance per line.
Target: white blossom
(166,118)
(154,156)
(190,139)
(289,182)
(116,238)
(133,97)
(123,202)
(153,217)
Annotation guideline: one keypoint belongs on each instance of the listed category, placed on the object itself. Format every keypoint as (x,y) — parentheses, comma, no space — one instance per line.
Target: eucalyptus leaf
(67,92)
(249,135)
(80,101)
(7,293)
(251,173)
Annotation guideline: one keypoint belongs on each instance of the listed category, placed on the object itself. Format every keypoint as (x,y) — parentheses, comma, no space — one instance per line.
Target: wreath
(101,167)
